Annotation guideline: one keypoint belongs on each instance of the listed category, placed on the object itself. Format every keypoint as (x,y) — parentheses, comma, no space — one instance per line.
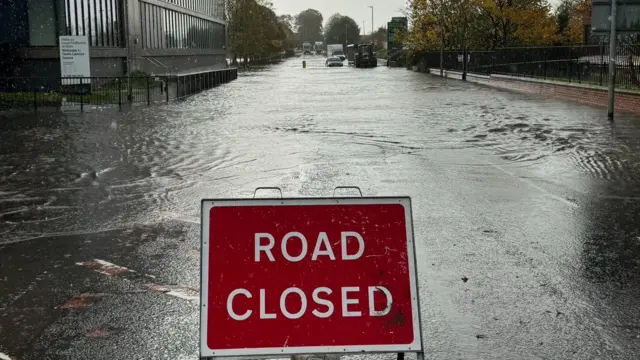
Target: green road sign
(396,26)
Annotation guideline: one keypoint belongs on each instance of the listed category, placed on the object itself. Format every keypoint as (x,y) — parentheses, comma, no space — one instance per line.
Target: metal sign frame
(415,346)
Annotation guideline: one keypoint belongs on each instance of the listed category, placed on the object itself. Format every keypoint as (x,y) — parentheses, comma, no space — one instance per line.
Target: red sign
(300,276)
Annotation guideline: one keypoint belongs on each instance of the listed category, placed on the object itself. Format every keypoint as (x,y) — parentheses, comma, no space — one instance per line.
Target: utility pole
(612,62)
(364,32)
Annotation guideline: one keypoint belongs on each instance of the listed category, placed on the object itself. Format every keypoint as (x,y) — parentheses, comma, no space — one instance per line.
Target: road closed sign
(302,276)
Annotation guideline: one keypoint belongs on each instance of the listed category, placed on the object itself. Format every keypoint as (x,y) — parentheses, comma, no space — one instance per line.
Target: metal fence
(587,64)
(34,92)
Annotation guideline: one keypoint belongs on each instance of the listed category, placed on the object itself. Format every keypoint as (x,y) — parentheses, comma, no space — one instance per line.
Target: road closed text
(322,301)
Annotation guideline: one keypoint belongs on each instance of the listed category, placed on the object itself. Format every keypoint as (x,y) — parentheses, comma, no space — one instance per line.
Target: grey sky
(357,9)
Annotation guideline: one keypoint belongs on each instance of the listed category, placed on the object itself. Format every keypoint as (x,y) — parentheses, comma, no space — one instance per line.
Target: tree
(425,25)
(288,21)
(379,37)
(511,19)
(570,19)
(309,25)
(254,29)
(479,24)
(342,30)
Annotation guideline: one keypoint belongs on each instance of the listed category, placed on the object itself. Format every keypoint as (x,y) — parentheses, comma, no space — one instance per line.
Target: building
(125,36)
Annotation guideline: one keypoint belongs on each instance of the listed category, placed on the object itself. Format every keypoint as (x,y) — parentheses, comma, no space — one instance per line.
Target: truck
(307,48)
(336,50)
(362,55)
(319,46)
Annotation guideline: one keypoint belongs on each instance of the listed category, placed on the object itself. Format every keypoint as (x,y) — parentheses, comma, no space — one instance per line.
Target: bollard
(304,64)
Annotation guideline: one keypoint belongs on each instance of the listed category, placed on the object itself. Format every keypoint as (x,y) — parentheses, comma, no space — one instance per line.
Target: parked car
(334,61)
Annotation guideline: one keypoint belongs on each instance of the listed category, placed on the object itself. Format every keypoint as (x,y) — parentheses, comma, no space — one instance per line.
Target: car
(334,61)
(340,54)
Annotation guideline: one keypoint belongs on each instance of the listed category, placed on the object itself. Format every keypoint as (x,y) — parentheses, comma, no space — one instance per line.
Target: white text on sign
(321,307)
(321,248)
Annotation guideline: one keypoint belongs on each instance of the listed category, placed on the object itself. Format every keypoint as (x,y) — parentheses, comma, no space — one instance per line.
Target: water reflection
(305,128)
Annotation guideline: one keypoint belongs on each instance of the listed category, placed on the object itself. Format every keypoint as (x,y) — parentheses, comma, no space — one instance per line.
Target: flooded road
(535,201)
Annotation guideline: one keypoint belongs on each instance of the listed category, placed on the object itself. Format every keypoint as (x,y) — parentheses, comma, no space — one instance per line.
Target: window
(164,28)
(97,19)
(214,8)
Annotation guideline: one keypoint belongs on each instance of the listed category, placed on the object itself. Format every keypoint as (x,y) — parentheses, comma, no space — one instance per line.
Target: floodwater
(534,200)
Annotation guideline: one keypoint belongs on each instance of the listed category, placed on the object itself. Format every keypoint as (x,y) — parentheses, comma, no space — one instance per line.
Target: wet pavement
(534,201)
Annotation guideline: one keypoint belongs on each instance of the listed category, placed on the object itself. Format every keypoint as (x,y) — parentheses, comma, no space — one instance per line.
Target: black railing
(34,92)
(587,64)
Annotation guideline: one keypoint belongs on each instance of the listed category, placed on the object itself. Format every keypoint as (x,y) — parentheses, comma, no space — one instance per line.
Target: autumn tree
(571,15)
(451,24)
(480,24)
(425,25)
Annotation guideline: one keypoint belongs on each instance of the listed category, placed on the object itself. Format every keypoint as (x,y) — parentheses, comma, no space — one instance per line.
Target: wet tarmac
(534,201)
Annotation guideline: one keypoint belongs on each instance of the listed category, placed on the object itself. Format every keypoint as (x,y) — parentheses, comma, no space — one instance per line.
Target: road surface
(534,201)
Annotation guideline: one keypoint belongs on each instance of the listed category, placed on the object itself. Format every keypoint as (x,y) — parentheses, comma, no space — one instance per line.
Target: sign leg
(401,356)
(420,355)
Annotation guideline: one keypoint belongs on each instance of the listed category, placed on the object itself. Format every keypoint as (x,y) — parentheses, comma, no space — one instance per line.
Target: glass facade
(167,29)
(214,8)
(100,20)
(46,21)
(40,22)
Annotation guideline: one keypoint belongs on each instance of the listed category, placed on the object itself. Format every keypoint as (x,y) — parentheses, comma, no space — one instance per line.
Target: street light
(346,35)
(371,23)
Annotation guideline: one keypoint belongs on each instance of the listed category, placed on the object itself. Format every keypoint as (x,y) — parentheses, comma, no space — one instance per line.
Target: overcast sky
(356,9)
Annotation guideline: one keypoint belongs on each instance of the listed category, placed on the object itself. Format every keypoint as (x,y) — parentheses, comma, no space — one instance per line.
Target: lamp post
(346,35)
(371,23)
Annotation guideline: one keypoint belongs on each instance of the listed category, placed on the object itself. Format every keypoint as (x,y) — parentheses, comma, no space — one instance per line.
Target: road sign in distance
(302,276)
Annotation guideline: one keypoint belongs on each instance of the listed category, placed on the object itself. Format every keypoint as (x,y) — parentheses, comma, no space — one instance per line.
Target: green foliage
(309,25)
(380,36)
(342,30)
(563,14)
(255,31)
(381,54)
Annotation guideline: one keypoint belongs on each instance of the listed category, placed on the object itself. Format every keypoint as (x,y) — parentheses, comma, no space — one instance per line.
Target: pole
(346,35)
(371,24)
(612,61)
(441,43)
(148,92)
(464,63)
(120,93)
(81,96)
